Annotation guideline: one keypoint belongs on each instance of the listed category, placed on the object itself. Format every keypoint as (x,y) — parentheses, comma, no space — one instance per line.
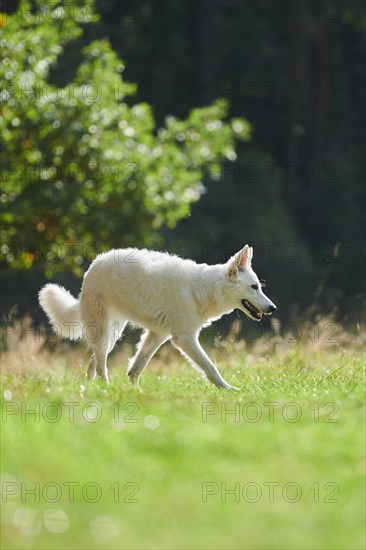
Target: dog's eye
(254,287)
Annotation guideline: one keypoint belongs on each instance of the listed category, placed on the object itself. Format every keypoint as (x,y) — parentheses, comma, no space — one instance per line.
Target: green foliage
(83,164)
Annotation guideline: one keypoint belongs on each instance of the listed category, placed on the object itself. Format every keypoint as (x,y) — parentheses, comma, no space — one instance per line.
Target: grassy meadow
(178,463)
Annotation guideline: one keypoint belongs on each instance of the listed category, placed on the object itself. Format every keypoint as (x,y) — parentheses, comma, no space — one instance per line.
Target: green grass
(174,447)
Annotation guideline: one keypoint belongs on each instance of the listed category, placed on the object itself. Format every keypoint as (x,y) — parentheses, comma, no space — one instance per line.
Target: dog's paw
(226,386)
(134,378)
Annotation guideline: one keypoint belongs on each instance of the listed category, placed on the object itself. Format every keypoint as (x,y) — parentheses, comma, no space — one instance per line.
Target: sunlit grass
(177,463)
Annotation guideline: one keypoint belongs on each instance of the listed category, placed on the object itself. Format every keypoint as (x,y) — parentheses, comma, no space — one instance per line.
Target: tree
(83,164)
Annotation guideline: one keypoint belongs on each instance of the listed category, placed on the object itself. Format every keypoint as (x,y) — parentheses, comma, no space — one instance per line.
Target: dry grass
(34,351)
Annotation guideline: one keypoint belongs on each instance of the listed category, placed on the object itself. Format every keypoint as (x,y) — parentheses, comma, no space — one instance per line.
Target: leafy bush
(83,164)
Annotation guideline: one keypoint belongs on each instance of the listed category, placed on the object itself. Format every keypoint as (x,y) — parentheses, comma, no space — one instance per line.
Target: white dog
(170,297)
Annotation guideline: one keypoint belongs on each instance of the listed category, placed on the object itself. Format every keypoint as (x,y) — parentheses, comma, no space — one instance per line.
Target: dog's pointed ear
(240,260)
(250,254)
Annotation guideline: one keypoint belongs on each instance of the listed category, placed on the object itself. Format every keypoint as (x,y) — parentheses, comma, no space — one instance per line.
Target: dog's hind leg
(115,332)
(96,332)
(92,367)
(100,349)
(97,337)
(192,350)
(148,345)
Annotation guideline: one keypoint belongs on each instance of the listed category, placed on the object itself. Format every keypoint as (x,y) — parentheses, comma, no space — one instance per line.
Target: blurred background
(192,127)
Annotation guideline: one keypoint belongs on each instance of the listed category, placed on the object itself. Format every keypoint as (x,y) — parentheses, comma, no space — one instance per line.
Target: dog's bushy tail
(63,311)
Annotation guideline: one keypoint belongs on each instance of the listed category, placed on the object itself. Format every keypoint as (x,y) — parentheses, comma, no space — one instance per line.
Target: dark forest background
(295,70)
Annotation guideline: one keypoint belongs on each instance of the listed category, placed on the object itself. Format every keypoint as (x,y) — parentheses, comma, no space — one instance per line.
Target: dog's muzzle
(254,312)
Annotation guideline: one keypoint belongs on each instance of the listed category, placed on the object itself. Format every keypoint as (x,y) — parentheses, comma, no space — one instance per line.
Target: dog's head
(247,290)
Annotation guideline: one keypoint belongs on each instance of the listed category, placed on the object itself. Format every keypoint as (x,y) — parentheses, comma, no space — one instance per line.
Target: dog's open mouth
(253,311)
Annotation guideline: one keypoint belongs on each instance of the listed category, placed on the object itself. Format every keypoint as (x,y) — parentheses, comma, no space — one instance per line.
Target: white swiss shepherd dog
(171,298)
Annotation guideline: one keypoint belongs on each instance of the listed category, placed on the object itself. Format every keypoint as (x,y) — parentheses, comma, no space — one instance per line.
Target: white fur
(170,297)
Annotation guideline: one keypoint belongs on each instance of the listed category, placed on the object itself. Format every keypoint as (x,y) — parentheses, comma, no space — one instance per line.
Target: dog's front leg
(192,350)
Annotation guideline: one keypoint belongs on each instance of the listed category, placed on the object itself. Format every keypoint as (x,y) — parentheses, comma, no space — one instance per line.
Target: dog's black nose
(272,308)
